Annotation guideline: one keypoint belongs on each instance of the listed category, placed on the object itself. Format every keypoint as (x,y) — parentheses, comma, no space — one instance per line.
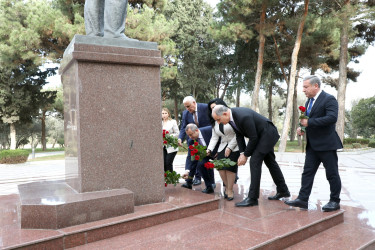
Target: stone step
(271,225)
(357,232)
(186,219)
(179,203)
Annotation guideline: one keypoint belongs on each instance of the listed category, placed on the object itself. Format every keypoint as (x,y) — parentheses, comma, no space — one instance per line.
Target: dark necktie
(221,128)
(195,118)
(310,106)
(233,125)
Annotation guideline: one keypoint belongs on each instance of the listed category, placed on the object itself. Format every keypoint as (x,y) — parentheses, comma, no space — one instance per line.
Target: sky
(363,88)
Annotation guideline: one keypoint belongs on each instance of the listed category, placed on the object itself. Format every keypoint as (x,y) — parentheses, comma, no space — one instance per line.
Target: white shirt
(202,139)
(315,97)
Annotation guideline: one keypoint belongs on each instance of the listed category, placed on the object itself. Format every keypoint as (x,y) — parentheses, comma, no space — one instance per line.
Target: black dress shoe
(187,185)
(208,190)
(331,206)
(197,182)
(278,196)
(297,203)
(247,203)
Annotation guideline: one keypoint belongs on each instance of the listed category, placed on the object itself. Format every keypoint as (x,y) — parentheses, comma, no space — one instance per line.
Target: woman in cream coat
(169,125)
(227,149)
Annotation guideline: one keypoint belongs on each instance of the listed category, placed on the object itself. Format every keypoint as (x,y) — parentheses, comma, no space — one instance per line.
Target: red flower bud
(197,157)
(191,147)
(302,108)
(192,153)
(165,174)
(167,132)
(196,143)
(195,150)
(165,142)
(166,184)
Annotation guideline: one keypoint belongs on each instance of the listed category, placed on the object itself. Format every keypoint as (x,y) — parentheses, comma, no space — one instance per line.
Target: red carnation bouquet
(302,116)
(169,140)
(197,151)
(219,164)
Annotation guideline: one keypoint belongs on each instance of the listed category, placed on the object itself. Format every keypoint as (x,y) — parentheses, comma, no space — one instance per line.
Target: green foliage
(363,117)
(220,164)
(371,144)
(61,142)
(356,140)
(171,178)
(196,49)
(13,156)
(357,145)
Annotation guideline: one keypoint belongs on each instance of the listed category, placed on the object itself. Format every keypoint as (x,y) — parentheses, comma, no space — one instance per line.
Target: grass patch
(49,158)
(13,156)
(38,150)
(291,146)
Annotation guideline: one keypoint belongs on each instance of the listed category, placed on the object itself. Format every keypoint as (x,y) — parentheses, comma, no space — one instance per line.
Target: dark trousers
(207,174)
(168,160)
(256,161)
(197,171)
(312,162)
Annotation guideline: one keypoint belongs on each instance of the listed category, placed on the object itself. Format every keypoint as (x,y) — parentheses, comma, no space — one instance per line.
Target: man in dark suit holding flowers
(202,137)
(196,113)
(262,136)
(322,144)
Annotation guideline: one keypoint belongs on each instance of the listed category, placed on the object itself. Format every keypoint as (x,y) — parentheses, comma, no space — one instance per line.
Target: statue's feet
(121,36)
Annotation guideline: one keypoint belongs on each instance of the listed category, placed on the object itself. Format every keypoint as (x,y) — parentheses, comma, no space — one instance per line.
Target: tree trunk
(238,95)
(43,121)
(258,75)
(175,108)
(295,119)
(341,90)
(292,79)
(279,59)
(293,129)
(270,101)
(225,89)
(12,136)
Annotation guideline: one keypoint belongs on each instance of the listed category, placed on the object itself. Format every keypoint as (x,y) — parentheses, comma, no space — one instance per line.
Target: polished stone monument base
(113,135)
(54,205)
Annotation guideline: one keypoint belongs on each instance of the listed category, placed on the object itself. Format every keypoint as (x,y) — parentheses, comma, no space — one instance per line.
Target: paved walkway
(357,173)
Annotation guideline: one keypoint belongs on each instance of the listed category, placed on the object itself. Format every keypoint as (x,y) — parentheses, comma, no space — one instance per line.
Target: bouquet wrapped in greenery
(169,140)
(219,164)
(171,178)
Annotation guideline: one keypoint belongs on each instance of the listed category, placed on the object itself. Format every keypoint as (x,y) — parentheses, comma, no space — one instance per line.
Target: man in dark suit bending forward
(322,144)
(262,136)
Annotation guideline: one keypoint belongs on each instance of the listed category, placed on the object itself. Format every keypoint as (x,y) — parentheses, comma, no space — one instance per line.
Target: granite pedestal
(112,112)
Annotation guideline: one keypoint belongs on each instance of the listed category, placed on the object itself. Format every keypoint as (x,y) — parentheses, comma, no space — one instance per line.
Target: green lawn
(49,158)
(38,150)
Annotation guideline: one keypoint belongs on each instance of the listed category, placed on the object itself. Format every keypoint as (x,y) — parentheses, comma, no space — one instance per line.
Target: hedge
(372,144)
(356,140)
(13,156)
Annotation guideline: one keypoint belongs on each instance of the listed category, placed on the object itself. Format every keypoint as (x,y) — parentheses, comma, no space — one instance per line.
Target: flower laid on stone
(219,164)
(197,151)
(302,116)
(171,178)
(169,140)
